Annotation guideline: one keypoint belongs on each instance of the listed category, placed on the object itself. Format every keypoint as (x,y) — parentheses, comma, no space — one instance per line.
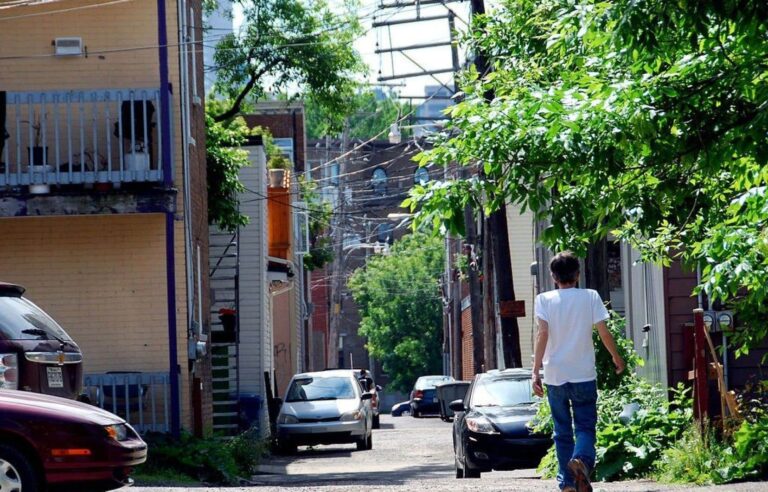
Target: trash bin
(250,407)
(448,392)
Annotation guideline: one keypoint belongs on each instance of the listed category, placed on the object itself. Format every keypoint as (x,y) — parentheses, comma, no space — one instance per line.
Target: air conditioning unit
(68,46)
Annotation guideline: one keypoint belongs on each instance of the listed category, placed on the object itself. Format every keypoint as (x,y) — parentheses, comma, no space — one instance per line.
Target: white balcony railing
(79,137)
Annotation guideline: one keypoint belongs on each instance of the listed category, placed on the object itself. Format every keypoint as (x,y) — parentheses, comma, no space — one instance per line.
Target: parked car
(424,396)
(50,441)
(36,354)
(327,407)
(400,409)
(490,427)
(368,385)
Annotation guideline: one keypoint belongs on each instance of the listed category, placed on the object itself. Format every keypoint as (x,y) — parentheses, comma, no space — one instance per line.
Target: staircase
(224,281)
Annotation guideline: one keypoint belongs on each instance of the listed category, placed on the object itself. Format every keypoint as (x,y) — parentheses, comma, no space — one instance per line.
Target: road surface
(408,454)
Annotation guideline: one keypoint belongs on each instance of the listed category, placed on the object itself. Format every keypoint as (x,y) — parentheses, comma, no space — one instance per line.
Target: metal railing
(141,398)
(79,137)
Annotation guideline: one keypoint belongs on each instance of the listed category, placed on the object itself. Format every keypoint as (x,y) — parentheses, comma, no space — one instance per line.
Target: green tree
(645,119)
(369,117)
(224,159)
(399,299)
(300,45)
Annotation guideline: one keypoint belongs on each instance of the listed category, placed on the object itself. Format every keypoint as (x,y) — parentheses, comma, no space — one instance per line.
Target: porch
(78,140)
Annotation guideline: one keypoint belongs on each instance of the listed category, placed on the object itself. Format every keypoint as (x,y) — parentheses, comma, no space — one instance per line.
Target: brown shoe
(568,488)
(580,474)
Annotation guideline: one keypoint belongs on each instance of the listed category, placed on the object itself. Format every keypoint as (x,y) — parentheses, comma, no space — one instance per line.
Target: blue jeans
(582,398)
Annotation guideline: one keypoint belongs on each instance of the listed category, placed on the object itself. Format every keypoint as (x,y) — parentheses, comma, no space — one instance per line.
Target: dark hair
(564,267)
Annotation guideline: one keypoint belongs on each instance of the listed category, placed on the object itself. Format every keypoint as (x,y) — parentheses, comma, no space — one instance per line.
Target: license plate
(55,378)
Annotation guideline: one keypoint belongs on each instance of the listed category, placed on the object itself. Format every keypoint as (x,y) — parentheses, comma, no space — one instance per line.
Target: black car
(424,395)
(490,428)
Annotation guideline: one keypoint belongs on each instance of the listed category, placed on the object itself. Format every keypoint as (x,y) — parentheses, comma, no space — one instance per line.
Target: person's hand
(538,389)
(619,363)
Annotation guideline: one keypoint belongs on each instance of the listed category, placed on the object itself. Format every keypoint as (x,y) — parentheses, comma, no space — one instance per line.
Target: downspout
(170,259)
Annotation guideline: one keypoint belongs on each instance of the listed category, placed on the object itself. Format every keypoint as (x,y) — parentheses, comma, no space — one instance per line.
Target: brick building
(103,209)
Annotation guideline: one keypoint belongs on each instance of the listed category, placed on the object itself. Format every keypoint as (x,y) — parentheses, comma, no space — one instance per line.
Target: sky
(389,64)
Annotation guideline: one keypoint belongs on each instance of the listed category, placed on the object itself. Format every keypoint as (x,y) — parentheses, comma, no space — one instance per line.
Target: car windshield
(20,319)
(501,392)
(429,382)
(319,388)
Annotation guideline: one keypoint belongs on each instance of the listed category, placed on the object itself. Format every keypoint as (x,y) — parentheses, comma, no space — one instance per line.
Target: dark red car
(50,441)
(36,354)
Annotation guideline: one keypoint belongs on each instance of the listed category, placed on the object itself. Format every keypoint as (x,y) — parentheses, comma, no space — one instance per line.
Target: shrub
(211,460)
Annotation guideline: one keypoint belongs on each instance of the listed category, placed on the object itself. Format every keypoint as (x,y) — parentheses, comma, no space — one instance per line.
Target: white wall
(255,335)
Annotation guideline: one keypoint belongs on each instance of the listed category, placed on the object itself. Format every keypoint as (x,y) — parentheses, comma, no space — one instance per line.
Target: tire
(469,472)
(17,471)
(376,422)
(285,448)
(459,470)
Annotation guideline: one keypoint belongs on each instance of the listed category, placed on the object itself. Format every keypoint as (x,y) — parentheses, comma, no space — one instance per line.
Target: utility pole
(475,290)
(498,248)
(337,275)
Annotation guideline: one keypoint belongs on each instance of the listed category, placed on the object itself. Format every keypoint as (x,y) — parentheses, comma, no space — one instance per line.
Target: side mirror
(457,406)
(379,388)
(366,396)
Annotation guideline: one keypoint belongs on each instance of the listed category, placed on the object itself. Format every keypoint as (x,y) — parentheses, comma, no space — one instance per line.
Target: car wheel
(459,470)
(469,472)
(376,422)
(16,471)
(287,448)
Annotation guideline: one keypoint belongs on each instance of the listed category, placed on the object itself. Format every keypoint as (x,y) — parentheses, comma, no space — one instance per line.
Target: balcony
(79,137)
(60,146)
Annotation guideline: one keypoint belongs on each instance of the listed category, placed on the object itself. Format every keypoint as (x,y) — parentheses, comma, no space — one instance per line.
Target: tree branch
(238,102)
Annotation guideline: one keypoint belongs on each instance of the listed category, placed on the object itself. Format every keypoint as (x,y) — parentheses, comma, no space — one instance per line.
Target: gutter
(170,258)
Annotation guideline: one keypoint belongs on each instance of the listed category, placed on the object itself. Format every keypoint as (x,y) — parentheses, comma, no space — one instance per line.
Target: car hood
(323,409)
(26,403)
(510,421)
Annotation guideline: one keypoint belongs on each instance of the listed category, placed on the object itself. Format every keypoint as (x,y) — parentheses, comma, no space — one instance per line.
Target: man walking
(566,317)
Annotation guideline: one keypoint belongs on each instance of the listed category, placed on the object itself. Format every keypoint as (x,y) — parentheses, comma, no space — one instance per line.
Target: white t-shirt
(571,314)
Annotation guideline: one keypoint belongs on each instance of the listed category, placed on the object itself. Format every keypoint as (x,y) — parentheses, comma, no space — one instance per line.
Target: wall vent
(68,46)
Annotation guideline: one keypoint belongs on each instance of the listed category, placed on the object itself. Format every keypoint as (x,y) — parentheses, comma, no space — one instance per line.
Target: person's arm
(610,344)
(542,336)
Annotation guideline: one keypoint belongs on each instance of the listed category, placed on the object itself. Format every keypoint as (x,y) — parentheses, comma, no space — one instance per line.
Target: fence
(141,398)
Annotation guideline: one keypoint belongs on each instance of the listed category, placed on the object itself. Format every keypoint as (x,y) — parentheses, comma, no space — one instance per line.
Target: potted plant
(37,152)
(38,166)
(279,166)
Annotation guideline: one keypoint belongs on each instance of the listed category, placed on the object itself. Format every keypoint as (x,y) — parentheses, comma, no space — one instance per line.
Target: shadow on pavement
(366,477)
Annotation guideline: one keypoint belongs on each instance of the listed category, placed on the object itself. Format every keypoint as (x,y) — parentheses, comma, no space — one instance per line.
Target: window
(379,180)
(321,388)
(22,320)
(421,176)
(501,392)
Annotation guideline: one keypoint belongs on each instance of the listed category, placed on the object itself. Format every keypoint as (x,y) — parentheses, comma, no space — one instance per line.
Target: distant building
(217,24)
(431,111)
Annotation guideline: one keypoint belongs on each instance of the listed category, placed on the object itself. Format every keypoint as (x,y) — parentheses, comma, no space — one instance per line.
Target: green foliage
(279,161)
(321,247)
(398,296)
(304,46)
(631,450)
(642,119)
(224,159)
(368,117)
(211,460)
(606,370)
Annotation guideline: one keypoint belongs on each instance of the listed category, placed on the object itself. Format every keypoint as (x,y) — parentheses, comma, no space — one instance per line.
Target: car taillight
(9,371)
(418,394)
